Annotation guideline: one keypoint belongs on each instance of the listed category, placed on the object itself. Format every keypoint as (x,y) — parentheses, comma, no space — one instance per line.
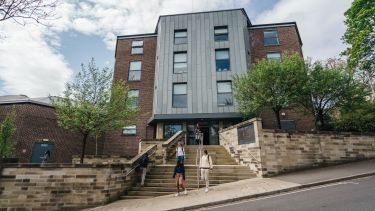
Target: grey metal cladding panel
(160,71)
(166,87)
(189,64)
(210,43)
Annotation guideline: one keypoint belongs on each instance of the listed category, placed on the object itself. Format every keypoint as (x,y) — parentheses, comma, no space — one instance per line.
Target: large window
(137,47)
(246,134)
(129,130)
(222,60)
(134,93)
(180,36)
(179,98)
(221,33)
(135,71)
(171,129)
(274,56)
(224,93)
(271,38)
(180,62)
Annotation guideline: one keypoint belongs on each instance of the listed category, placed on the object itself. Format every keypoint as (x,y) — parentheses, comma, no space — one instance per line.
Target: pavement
(248,189)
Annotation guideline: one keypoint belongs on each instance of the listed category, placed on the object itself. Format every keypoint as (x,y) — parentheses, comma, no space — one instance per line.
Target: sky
(37,60)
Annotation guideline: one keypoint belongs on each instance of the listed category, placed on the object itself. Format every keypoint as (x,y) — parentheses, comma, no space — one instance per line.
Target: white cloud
(320,23)
(28,64)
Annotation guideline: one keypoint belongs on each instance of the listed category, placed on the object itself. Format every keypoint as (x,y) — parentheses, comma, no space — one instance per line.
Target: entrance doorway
(39,149)
(206,135)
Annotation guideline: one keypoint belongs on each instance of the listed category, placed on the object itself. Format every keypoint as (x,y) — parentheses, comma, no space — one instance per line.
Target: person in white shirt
(180,152)
(205,167)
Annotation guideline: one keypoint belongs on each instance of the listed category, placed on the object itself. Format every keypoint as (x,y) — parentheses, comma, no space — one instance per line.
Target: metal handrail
(132,161)
(198,156)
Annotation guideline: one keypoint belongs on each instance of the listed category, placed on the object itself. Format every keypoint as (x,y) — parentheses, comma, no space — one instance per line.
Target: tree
(23,10)
(361,118)
(7,129)
(360,35)
(270,84)
(93,105)
(329,87)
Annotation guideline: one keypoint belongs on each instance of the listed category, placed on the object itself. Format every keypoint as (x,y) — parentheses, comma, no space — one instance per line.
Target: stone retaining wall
(61,186)
(101,159)
(276,151)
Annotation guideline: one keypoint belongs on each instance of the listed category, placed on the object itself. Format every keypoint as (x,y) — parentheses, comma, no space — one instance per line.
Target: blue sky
(37,61)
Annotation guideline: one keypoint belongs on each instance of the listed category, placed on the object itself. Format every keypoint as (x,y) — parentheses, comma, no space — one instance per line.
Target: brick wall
(57,187)
(288,42)
(116,143)
(303,121)
(37,122)
(277,151)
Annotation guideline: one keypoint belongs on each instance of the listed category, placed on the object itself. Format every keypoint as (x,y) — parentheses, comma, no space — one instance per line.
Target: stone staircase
(159,180)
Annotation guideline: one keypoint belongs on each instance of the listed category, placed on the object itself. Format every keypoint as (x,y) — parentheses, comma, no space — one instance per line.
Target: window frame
(127,128)
(221,34)
(174,62)
(274,52)
(136,46)
(173,95)
(218,93)
(137,98)
(140,70)
(216,66)
(185,38)
(171,123)
(277,37)
(246,134)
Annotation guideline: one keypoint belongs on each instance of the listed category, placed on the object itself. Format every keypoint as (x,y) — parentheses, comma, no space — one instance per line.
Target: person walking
(197,134)
(144,164)
(205,167)
(179,175)
(180,151)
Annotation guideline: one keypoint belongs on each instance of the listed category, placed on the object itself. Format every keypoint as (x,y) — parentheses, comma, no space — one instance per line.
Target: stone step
(158,189)
(173,185)
(152,182)
(212,177)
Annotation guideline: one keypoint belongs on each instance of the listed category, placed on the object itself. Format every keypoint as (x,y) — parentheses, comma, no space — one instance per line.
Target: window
(137,47)
(179,99)
(224,93)
(129,130)
(288,124)
(134,93)
(180,62)
(171,129)
(221,33)
(274,56)
(271,38)
(246,134)
(180,36)
(135,71)
(222,60)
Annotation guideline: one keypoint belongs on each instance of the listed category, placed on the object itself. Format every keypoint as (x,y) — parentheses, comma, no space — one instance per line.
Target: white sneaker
(185,192)
(177,194)
(206,190)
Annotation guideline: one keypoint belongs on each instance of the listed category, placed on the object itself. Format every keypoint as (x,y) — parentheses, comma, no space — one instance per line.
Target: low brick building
(37,131)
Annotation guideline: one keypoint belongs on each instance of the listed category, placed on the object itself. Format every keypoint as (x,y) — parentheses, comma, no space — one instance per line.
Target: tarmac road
(358,195)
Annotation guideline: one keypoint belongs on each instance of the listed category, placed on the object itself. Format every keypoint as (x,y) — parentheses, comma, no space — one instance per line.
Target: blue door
(39,150)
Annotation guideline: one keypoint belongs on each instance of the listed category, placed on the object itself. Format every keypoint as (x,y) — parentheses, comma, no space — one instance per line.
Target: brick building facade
(192,41)
(35,124)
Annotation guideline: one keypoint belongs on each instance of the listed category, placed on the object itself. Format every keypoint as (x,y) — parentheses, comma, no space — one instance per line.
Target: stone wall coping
(241,124)
(64,165)
(317,132)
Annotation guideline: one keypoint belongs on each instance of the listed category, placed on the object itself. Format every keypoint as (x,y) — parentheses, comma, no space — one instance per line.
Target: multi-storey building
(181,75)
